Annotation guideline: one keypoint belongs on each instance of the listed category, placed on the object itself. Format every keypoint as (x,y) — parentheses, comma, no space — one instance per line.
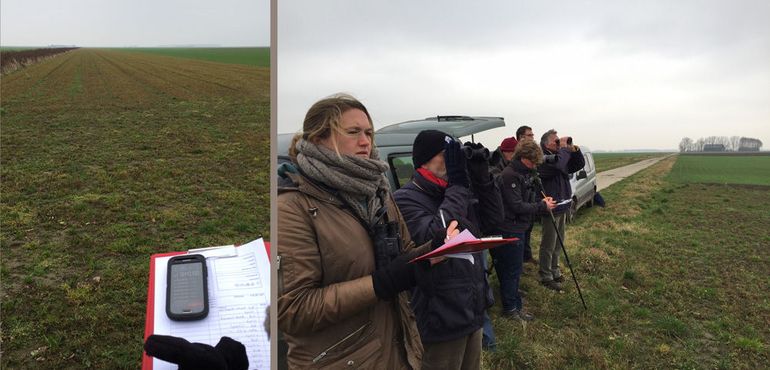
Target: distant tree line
(720,143)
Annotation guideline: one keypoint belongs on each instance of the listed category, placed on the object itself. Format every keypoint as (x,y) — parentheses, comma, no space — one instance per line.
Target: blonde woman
(344,249)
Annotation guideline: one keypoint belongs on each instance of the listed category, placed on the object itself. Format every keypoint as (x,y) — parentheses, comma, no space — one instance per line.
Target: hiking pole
(566,257)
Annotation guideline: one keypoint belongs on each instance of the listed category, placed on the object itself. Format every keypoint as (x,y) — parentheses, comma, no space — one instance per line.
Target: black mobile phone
(187,295)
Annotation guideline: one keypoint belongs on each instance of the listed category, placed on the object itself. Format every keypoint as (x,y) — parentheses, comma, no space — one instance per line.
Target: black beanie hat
(427,144)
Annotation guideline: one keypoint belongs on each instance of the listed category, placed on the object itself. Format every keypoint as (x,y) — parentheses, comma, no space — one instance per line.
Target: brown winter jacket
(327,308)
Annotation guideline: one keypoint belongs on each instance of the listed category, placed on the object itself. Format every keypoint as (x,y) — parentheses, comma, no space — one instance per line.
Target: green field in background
(253,56)
(608,161)
(744,169)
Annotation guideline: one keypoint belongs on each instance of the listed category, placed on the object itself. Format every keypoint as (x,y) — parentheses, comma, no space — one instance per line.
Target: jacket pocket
(452,307)
(357,350)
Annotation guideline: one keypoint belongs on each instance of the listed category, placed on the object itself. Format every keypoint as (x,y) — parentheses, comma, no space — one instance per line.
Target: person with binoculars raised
(561,158)
(450,182)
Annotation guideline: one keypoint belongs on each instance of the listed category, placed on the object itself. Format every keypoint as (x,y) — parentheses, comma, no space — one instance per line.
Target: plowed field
(109,157)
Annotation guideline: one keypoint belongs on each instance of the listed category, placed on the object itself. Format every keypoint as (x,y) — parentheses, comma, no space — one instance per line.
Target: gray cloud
(135,23)
(618,74)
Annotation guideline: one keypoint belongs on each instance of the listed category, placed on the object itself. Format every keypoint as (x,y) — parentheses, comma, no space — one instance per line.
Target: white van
(583,184)
(394,142)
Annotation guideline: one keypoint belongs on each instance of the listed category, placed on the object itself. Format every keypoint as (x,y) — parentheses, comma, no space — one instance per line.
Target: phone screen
(187,296)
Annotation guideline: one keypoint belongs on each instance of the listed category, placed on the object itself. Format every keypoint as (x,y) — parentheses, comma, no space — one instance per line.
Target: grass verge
(670,283)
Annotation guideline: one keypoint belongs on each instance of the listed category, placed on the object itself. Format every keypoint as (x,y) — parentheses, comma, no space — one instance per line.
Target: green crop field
(670,283)
(743,169)
(608,161)
(259,57)
(109,157)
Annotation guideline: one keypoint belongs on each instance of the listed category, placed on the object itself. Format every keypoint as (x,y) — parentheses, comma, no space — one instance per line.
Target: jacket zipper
(326,351)
(279,274)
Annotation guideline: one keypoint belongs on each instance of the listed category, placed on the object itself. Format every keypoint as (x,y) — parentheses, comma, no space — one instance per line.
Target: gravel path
(609,177)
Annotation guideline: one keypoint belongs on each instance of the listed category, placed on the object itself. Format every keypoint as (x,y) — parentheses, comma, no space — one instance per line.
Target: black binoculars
(476,153)
(387,243)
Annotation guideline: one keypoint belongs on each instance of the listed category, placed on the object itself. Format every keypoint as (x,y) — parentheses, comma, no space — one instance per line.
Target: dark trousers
(488,340)
(527,246)
(508,260)
(459,354)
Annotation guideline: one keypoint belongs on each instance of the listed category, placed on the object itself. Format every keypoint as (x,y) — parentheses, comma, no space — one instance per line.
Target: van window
(589,163)
(401,167)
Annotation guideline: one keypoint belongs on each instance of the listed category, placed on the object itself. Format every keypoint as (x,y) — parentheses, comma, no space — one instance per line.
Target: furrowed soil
(675,275)
(107,158)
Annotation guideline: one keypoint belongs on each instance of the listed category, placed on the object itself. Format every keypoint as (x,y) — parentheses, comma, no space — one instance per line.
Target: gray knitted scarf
(357,179)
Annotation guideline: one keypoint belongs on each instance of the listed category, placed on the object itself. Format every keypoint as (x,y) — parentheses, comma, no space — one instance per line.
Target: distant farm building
(749,145)
(713,147)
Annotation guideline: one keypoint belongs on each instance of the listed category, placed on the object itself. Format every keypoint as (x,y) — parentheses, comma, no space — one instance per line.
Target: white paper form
(464,236)
(239,292)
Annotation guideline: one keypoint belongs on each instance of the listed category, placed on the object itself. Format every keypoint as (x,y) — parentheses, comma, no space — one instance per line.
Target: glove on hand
(396,277)
(436,242)
(455,164)
(228,354)
(478,167)
(442,237)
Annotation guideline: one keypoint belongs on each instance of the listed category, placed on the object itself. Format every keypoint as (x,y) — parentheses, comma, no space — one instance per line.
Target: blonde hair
(323,117)
(530,150)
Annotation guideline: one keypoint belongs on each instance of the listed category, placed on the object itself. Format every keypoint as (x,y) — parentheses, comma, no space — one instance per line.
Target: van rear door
(457,126)
(395,141)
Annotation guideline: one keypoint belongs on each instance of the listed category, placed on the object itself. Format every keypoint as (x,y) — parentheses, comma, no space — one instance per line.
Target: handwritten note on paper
(239,292)
(460,238)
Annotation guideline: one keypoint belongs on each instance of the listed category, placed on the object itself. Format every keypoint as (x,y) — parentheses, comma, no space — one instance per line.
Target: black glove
(438,239)
(436,242)
(455,164)
(395,278)
(228,354)
(478,166)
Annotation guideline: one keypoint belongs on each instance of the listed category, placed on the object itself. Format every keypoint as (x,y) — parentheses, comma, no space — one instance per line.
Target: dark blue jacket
(555,176)
(520,198)
(450,297)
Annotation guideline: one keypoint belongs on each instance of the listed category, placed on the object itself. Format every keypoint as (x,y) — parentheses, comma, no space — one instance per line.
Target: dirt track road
(609,177)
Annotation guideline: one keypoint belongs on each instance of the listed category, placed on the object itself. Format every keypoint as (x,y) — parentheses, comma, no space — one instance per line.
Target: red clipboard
(149,322)
(465,247)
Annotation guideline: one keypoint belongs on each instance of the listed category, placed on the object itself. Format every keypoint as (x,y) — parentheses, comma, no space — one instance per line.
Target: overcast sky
(135,22)
(613,74)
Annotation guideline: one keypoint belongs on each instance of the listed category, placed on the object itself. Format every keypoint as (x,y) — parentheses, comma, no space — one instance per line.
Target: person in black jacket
(502,156)
(451,297)
(525,133)
(554,174)
(521,206)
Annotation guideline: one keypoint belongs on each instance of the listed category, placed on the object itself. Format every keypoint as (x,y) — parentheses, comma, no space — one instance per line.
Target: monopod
(566,257)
